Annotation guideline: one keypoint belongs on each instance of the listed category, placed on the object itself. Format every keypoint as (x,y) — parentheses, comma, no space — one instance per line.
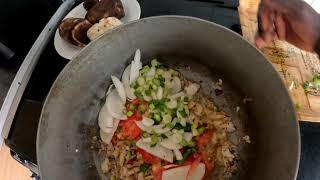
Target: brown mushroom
(79,33)
(88,4)
(66,27)
(104,9)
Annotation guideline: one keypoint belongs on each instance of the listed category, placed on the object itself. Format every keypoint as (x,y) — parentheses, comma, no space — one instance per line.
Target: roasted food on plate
(74,31)
(88,4)
(103,26)
(156,124)
(104,9)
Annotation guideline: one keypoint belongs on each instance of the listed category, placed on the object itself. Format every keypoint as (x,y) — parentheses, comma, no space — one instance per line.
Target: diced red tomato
(194,165)
(129,129)
(135,102)
(157,171)
(137,112)
(147,157)
(204,138)
(114,140)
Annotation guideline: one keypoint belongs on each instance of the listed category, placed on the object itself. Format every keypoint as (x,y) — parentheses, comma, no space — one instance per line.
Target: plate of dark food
(89,20)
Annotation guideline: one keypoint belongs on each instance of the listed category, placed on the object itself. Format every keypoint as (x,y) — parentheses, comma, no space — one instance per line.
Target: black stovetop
(22,136)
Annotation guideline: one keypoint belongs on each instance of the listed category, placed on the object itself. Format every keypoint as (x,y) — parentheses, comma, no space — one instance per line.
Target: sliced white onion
(147,98)
(178,154)
(197,173)
(130,94)
(175,85)
(188,136)
(172,103)
(120,88)
(178,173)
(126,76)
(126,83)
(176,137)
(147,121)
(169,166)
(109,89)
(157,151)
(147,140)
(151,72)
(105,119)
(159,129)
(160,93)
(106,137)
(182,173)
(167,143)
(136,65)
(192,89)
(115,105)
(137,56)
(177,95)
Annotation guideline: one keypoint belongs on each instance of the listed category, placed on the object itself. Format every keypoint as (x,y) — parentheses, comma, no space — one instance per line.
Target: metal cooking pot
(203,52)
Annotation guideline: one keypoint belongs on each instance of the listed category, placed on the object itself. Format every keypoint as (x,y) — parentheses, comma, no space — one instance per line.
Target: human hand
(290,20)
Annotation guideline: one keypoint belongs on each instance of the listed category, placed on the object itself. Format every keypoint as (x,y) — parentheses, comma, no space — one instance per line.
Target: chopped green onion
(173,72)
(187,128)
(167,118)
(174,112)
(161,81)
(183,122)
(183,113)
(201,130)
(141,81)
(145,135)
(142,109)
(151,106)
(133,107)
(169,125)
(184,142)
(148,92)
(157,117)
(163,136)
(154,86)
(156,82)
(145,69)
(159,71)
(129,113)
(154,62)
(135,85)
(154,140)
(138,94)
(144,167)
(186,154)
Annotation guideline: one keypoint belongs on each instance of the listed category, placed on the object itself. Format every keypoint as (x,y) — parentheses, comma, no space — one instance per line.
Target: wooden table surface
(10,169)
(295,66)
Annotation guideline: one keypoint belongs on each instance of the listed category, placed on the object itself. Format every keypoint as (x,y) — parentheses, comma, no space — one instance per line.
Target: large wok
(201,50)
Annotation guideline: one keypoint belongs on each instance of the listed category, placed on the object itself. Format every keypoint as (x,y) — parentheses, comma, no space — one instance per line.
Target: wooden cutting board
(295,66)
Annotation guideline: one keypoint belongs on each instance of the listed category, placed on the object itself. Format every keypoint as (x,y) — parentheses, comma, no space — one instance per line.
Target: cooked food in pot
(155,124)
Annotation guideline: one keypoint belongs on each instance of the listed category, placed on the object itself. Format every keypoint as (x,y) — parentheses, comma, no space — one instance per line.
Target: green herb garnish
(144,167)
(129,113)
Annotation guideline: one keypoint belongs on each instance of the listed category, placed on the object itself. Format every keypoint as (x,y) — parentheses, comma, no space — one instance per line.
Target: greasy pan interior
(203,52)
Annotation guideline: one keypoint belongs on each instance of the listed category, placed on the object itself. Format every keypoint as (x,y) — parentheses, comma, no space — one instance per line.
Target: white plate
(67,50)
